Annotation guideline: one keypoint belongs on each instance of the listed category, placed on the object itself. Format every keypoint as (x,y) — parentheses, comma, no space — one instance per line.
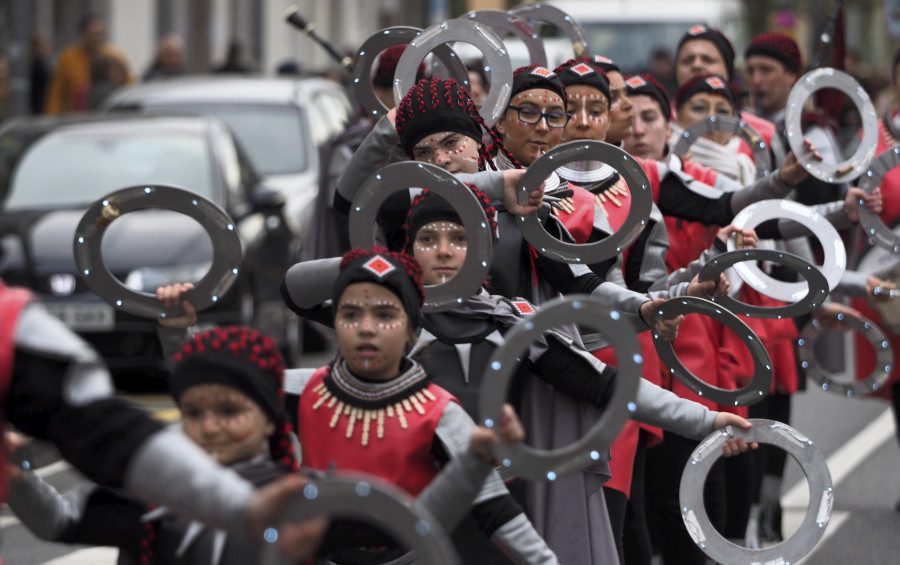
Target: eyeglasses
(532,116)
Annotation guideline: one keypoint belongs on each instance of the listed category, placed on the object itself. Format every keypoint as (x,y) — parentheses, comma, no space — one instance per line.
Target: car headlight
(148,279)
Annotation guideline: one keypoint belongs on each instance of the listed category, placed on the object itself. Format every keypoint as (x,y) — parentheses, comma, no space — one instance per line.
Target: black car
(52,169)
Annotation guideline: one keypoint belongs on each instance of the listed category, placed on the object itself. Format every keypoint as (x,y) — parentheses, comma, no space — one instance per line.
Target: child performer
(376,410)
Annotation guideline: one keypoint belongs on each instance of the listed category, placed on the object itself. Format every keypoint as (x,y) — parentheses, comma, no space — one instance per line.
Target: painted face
(525,141)
(621,111)
(440,247)
(372,330)
(770,83)
(224,422)
(698,57)
(651,129)
(701,106)
(451,151)
(590,113)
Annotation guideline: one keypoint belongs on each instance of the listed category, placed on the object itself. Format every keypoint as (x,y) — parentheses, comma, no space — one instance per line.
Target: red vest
(12,301)
(402,456)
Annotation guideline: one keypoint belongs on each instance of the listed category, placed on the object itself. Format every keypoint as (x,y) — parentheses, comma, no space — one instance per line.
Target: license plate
(85,317)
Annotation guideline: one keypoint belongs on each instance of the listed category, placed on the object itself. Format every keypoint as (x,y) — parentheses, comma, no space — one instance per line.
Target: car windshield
(271,136)
(71,170)
(627,43)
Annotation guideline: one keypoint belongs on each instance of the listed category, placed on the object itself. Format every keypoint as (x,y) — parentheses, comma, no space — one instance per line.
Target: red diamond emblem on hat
(523,307)
(582,69)
(602,59)
(542,72)
(716,82)
(378,266)
(636,82)
(697,29)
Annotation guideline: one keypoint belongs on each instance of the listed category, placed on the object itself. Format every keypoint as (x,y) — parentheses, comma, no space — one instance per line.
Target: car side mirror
(267,200)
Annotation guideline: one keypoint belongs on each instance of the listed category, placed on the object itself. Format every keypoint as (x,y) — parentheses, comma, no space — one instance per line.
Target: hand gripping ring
(508,23)
(531,463)
(813,465)
(566,23)
(730,124)
(608,247)
(884,358)
(754,391)
(398,177)
(815,295)
(372,501)
(378,42)
(478,35)
(833,265)
(878,233)
(214,284)
(812,81)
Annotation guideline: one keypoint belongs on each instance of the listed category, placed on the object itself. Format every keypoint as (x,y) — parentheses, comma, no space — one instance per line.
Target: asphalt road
(856,436)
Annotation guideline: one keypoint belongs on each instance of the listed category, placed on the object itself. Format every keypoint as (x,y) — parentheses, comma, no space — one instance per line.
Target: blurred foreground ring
(817,284)
(827,77)
(875,229)
(218,225)
(399,177)
(759,385)
(730,124)
(598,251)
(562,20)
(835,254)
(373,501)
(813,465)
(496,61)
(503,23)
(361,69)
(884,358)
(538,464)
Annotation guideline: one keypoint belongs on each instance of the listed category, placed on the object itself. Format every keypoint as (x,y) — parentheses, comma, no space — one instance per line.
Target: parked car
(285,125)
(52,169)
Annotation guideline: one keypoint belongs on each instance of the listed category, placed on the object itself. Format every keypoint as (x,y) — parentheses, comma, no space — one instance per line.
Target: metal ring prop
(372,501)
(754,391)
(730,124)
(817,285)
(559,18)
(509,23)
(878,233)
(812,81)
(398,177)
(496,58)
(884,358)
(378,42)
(833,265)
(813,465)
(220,228)
(608,247)
(526,461)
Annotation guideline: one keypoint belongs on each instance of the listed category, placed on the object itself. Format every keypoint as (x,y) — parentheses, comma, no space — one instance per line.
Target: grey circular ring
(528,462)
(566,23)
(214,284)
(813,465)
(761,382)
(871,224)
(596,252)
(827,77)
(730,124)
(835,261)
(401,176)
(378,42)
(375,502)
(884,358)
(815,280)
(511,23)
(480,36)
